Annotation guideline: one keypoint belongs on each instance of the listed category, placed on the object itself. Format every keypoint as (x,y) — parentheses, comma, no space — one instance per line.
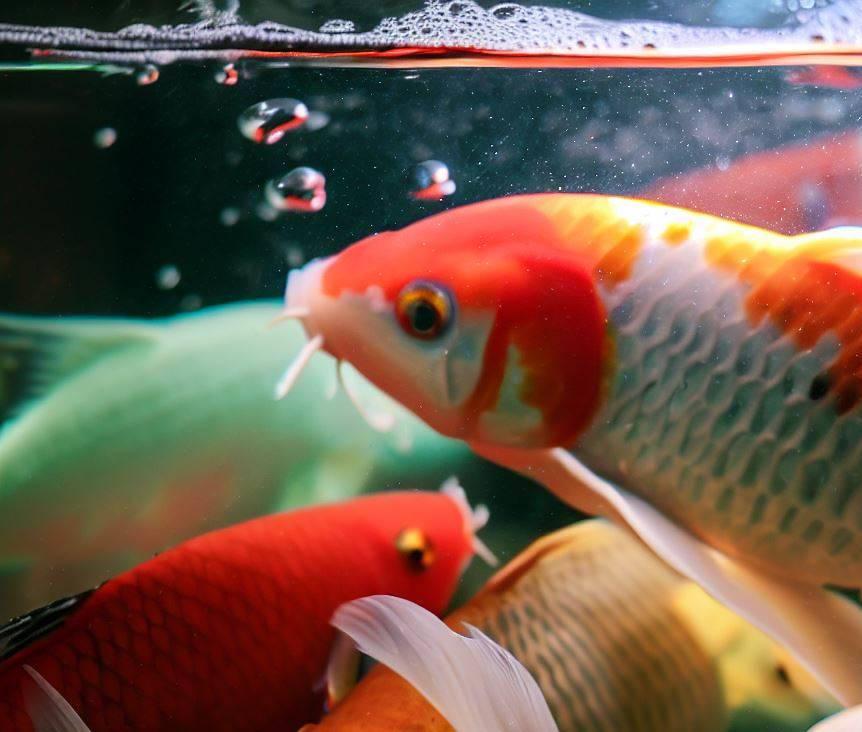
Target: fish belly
(722,424)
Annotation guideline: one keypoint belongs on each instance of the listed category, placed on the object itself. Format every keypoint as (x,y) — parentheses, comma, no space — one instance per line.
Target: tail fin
(473,682)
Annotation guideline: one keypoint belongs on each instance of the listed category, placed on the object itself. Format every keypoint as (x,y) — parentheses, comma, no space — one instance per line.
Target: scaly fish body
(129,436)
(616,641)
(229,631)
(708,373)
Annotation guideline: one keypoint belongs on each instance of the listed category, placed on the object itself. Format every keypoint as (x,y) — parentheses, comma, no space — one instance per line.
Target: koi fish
(231,629)
(696,379)
(124,437)
(792,189)
(502,692)
(611,635)
(832,77)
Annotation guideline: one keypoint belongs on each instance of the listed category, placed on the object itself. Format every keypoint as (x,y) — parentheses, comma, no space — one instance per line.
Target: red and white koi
(698,379)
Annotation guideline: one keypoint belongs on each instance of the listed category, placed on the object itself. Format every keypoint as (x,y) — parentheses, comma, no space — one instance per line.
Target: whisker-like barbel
(289,314)
(295,369)
(378,421)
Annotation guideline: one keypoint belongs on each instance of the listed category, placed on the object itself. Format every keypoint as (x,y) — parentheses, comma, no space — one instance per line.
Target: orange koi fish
(791,189)
(616,641)
(696,379)
(230,631)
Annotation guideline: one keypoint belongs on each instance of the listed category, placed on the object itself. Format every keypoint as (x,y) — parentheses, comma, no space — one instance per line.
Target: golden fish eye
(416,549)
(423,309)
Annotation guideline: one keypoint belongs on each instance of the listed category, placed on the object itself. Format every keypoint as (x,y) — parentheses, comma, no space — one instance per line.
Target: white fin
(342,671)
(474,683)
(822,629)
(475,519)
(48,710)
(850,720)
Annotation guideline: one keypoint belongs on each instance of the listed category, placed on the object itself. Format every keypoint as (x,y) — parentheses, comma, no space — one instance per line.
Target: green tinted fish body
(123,437)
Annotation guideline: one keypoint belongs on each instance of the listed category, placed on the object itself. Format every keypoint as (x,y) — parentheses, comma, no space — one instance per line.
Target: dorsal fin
(37,353)
(19,633)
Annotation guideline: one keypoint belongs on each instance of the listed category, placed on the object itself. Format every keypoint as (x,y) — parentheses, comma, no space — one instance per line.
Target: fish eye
(416,548)
(424,310)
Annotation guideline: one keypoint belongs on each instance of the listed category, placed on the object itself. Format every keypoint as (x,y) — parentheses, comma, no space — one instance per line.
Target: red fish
(230,631)
(833,77)
(791,189)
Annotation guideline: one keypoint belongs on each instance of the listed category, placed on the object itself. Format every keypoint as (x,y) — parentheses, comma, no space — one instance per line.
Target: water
(156,190)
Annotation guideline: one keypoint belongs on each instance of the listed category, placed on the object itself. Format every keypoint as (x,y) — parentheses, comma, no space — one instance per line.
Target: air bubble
(147,75)
(338,25)
(105,137)
(168,277)
(302,190)
(268,121)
(294,256)
(229,216)
(227,76)
(430,181)
(316,121)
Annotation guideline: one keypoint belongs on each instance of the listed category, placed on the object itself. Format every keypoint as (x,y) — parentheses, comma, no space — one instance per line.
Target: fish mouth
(303,295)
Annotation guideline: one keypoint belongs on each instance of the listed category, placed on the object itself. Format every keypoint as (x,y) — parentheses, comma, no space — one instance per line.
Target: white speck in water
(168,277)
(147,75)
(105,137)
(229,216)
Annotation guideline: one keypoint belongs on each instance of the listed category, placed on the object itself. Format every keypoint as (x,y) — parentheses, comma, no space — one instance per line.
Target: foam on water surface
(450,32)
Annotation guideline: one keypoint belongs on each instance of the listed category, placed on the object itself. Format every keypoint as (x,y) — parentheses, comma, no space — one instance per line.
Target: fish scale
(226,632)
(709,418)
(604,663)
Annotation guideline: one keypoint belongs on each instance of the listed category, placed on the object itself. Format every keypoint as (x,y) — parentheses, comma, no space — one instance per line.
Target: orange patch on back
(593,226)
(806,295)
(676,233)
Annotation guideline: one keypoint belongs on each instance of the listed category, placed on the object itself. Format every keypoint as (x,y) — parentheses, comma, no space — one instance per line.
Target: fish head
(479,320)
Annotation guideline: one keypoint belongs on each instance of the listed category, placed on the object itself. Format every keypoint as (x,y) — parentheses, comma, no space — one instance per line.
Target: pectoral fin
(48,710)
(474,683)
(850,720)
(820,628)
(342,671)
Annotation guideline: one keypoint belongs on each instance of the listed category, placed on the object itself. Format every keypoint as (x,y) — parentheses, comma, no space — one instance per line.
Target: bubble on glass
(265,212)
(227,75)
(316,121)
(302,190)
(191,302)
(430,181)
(104,137)
(229,216)
(338,25)
(167,277)
(149,74)
(267,122)
(294,256)
(722,162)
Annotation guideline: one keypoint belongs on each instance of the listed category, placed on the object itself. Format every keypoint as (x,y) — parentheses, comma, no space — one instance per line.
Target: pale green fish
(122,437)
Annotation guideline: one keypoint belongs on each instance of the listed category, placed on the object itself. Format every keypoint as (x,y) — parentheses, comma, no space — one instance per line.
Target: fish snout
(304,295)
